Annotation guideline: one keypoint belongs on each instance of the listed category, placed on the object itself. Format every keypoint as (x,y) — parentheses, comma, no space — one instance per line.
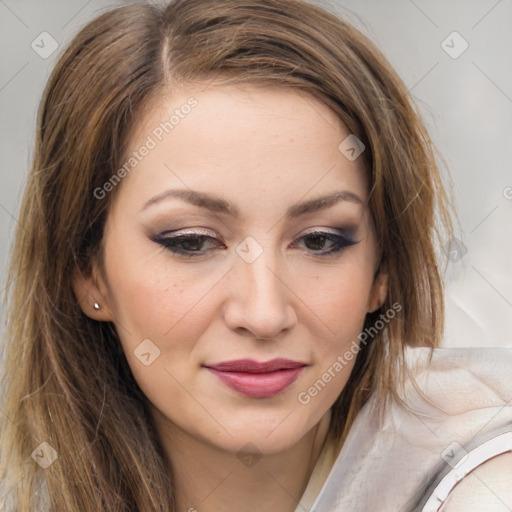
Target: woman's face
(217,248)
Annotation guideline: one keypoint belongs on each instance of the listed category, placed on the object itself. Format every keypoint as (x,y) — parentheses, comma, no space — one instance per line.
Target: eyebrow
(219,205)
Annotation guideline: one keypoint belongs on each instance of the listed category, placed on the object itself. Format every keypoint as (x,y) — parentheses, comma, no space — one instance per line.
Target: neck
(209,479)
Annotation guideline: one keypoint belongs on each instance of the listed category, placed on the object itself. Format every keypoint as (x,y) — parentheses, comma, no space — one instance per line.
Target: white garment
(396,464)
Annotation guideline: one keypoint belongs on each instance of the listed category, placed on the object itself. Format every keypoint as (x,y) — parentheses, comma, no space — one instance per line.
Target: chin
(271,433)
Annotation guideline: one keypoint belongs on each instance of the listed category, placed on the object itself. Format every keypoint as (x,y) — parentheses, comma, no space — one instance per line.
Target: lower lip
(258,385)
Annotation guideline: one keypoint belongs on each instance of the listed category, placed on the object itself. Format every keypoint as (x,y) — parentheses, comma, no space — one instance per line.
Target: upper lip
(252,366)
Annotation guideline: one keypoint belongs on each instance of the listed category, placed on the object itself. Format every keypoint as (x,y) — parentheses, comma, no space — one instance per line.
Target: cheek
(172,311)
(339,298)
(342,310)
(153,299)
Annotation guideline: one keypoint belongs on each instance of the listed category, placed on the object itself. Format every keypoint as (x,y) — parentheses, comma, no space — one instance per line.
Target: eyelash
(341,242)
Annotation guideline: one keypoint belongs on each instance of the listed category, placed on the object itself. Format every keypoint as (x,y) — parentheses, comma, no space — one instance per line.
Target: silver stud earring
(96,306)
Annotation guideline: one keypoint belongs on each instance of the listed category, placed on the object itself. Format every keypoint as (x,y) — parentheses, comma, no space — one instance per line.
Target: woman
(224,283)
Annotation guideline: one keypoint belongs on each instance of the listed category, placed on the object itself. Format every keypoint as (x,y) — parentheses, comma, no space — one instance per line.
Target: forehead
(282,111)
(243,140)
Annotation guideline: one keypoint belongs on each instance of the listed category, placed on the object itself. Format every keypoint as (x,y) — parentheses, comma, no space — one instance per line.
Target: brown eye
(326,243)
(193,244)
(317,242)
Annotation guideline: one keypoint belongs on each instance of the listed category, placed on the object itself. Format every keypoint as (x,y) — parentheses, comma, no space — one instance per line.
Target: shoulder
(464,397)
(488,487)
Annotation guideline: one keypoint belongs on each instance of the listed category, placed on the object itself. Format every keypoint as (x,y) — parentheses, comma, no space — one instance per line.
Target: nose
(260,302)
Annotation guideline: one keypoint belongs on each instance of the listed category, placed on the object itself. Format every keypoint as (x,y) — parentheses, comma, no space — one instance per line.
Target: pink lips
(258,380)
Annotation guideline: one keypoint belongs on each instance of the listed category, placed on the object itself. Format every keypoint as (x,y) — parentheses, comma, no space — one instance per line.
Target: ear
(90,289)
(379,290)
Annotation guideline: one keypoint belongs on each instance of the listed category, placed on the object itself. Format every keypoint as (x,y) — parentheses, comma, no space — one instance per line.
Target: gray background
(466,101)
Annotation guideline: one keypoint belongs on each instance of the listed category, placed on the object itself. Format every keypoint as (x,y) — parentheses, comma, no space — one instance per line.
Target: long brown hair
(65,379)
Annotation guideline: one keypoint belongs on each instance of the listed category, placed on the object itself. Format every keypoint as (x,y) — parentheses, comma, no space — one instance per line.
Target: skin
(262,150)
(486,488)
